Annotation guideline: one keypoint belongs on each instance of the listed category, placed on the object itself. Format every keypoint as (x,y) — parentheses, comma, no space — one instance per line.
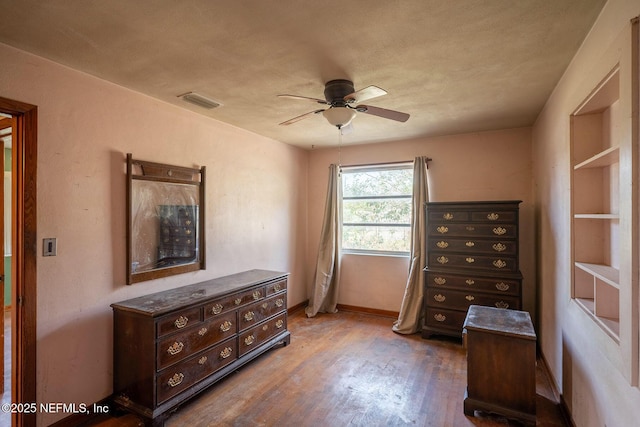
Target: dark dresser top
(500,321)
(162,302)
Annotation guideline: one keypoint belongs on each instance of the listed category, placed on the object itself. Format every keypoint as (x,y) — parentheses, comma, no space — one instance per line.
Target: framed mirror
(165,220)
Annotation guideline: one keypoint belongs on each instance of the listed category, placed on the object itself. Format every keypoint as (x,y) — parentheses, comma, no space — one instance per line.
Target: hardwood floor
(348,369)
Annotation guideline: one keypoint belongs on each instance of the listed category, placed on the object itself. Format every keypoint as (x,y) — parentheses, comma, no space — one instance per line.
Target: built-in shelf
(602,159)
(605,273)
(610,326)
(597,216)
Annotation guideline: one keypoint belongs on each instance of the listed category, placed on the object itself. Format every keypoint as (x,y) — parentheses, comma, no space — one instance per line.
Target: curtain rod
(427,160)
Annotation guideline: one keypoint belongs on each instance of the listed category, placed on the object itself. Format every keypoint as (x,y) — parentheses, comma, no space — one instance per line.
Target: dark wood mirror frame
(165,220)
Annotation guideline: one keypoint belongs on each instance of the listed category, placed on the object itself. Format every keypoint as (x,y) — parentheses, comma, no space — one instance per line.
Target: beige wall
(255,210)
(587,366)
(477,166)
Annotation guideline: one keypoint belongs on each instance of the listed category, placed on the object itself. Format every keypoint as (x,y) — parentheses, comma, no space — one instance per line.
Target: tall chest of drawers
(171,345)
(472,258)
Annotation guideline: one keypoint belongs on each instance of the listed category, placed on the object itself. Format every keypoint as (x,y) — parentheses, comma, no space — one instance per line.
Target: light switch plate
(49,246)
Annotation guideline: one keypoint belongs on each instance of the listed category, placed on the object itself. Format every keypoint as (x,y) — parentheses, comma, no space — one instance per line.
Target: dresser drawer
(274,288)
(450,215)
(184,344)
(178,321)
(443,318)
(179,377)
(473,230)
(462,300)
(232,302)
(255,313)
(476,246)
(259,334)
(471,261)
(473,283)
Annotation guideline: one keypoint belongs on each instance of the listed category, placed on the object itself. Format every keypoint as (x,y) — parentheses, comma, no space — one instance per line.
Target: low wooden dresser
(171,345)
(472,258)
(501,363)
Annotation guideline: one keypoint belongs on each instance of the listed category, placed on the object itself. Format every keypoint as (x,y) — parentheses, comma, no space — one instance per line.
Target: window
(376,208)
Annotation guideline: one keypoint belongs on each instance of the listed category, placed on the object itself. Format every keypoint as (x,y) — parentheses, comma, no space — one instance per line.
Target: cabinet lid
(501,321)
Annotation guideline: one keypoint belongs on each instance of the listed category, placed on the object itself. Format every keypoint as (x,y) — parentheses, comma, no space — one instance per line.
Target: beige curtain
(324,295)
(410,317)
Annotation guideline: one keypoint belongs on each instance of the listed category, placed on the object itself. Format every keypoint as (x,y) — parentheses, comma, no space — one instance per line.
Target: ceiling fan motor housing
(336,90)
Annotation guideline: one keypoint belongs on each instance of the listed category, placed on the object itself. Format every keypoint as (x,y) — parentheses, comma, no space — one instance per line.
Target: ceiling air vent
(200,100)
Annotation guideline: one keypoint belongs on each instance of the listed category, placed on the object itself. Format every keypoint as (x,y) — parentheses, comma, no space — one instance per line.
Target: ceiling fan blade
(368,92)
(318,100)
(382,112)
(300,117)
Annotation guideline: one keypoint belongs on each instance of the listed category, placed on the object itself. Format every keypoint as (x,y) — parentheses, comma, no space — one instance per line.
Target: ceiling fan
(343,102)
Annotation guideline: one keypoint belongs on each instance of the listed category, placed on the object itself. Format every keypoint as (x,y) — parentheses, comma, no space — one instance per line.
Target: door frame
(24,242)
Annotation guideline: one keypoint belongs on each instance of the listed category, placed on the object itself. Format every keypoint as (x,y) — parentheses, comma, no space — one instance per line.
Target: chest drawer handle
(217,309)
(248,316)
(470,228)
(439,298)
(175,348)
(448,216)
(279,302)
(202,360)
(224,354)
(469,244)
(257,295)
(249,340)
(499,231)
(499,247)
(440,317)
(265,327)
(202,331)
(442,229)
(439,280)
(443,259)
(470,282)
(265,305)
(493,216)
(470,297)
(442,244)
(277,287)
(499,263)
(226,326)
(470,260)
(279,323)
(176,379)
(238,301)
(502,286)
(181,322)
(502,304)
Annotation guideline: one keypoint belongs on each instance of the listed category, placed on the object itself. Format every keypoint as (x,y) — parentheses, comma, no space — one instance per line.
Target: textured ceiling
(455,66)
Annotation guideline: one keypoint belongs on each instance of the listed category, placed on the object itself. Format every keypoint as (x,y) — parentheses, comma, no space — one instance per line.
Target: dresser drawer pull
(188,222)
(265,327)
(439,317)
(442,229)
(502,286)
(228,351)
(277,287)
(176,379)
(499,263)
(470,282)
(238,301)
(442,244)
(448,216)
(499,247)
(257,295)
(469,244)
(226,326)
(493,216)
(469,297)
(499,231)
(439,280)
(470,260)
(175,348)
(439,298)
(248,316)
(249,340)
(217,309)
(443,259)
(470,228)
(279,302)
(202,360)
(502,304)
(265,305)
(202,331)
(279,323)
(181,322)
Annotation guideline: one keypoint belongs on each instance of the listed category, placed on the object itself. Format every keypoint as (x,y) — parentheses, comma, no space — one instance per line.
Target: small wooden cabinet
(501,363)
(472,258)
(171,345)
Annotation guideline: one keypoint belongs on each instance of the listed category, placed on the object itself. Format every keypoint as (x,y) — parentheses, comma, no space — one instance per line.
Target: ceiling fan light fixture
(339,116)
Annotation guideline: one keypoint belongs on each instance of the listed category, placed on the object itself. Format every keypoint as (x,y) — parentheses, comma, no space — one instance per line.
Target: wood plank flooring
(348,369)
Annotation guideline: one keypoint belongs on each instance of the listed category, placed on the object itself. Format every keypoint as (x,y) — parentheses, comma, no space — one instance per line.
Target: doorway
(24,253)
